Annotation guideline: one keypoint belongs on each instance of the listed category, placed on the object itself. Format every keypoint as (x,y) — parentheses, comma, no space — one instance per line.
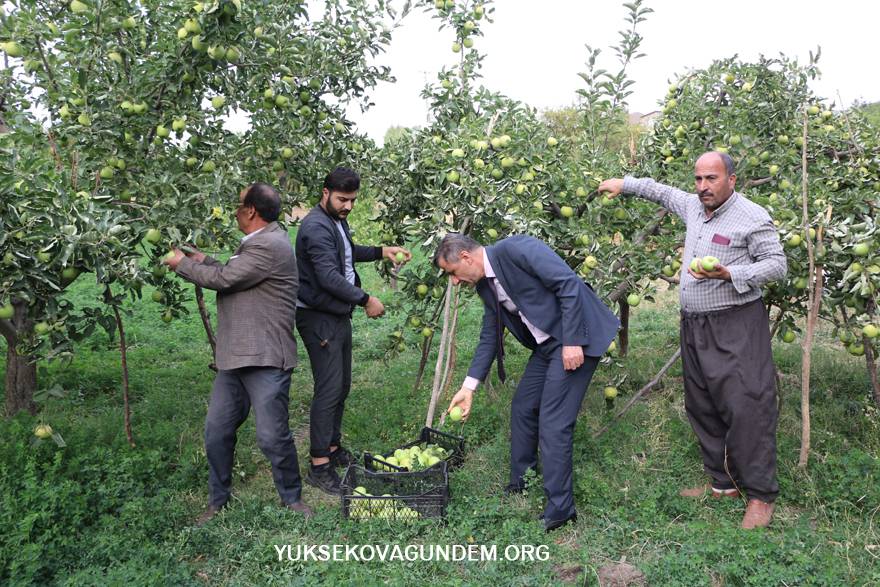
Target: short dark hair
(264,199)
(342,179)
(452,245)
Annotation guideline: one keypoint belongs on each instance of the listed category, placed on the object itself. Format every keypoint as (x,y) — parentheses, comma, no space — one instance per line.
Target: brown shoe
(206,515)
(301,508)
(758,514)
(702,490)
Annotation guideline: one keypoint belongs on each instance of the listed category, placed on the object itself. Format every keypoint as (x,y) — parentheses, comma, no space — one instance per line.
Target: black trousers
(235,392)
(543,413)
(328,342)
(730,396)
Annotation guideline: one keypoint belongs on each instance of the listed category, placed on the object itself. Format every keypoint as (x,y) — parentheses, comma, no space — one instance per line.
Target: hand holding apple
(397,255)
(462,400)
(172,259)
(719,272)
(612,187)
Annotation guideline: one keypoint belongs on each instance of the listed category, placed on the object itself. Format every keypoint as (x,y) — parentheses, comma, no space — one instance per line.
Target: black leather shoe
(342,457)
(301,508)
(512,489)
(551,525)
(325,478)
(206,515)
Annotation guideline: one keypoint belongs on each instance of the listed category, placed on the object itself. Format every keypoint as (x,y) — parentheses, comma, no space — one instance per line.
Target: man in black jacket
(328,292)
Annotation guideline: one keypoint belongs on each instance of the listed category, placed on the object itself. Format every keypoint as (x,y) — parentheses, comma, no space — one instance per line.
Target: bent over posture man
(256,348)
(528,289)
(729,377)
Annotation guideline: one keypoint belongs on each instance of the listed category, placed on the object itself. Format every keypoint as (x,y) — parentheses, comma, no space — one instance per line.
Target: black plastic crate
(450,442)
(398,496)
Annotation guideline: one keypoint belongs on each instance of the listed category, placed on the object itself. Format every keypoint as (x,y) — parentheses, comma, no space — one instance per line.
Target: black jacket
(320,258)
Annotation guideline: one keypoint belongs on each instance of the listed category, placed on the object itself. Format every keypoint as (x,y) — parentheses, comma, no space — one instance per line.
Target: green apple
(492,233)
(793,240)
(709,263)
(69,274)
(192,162)
(782,139)
(178,124)
(282,101)
(197,44)
(158,296)
(456,48)
(496,143)
(129,23)
(813,110)
(696,264)
(458,153)
(468,43)
(421,289)
(78,7)
(552,141)
(826,114)
(455,414)
(12,49)
(7,311)
(426,332)
(870,330)
(610,392)
(286,153)
(479,163)
(209,166)
(305,111)
(167,316)
(507,162)
(153,236)
(667,271)
(43,431)
(856,349)
(107,172)
(591,262)
(399,257)
(182,33)
(453,176)
(415,321)
(520,189)
(218,101)
(788,336)
(41,328)
(84,120)
(162,132)
(115,57)
(232,54)
(633,300)
(566,211)
(861,249)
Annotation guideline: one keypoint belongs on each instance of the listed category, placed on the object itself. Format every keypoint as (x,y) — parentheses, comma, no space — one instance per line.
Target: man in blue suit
(529,290)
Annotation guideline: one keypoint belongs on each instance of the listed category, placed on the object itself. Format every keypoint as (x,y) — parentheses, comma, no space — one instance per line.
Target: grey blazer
(256,300)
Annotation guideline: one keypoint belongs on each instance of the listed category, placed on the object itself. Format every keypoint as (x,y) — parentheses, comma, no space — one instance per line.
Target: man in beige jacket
(256,349)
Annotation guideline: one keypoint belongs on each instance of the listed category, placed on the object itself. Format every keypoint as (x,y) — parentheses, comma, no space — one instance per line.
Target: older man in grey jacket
(256,348)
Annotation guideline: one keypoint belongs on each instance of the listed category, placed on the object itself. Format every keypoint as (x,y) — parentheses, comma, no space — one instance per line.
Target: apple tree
(132,128)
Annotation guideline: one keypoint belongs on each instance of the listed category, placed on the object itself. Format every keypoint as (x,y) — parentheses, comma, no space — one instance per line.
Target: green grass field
(100,513)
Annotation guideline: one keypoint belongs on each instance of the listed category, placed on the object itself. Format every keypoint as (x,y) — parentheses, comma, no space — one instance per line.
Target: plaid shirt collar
(731,201)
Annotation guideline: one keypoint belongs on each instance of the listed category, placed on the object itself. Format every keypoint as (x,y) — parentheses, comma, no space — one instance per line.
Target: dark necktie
(499,331)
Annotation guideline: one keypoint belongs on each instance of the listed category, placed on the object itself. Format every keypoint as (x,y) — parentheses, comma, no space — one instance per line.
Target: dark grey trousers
(328,342)
(267,390)
(543,413)
(730,396)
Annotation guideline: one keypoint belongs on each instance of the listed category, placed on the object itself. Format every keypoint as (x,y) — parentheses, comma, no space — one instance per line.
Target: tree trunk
(21,370)
(623,335)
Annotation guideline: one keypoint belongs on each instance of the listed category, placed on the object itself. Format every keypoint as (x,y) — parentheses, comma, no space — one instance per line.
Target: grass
(98,512)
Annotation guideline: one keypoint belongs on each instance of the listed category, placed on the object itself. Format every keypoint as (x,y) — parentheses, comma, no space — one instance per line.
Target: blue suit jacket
(549,294)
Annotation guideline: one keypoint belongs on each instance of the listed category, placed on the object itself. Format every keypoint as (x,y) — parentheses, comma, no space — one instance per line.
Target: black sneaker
(341,457)
(325,478)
